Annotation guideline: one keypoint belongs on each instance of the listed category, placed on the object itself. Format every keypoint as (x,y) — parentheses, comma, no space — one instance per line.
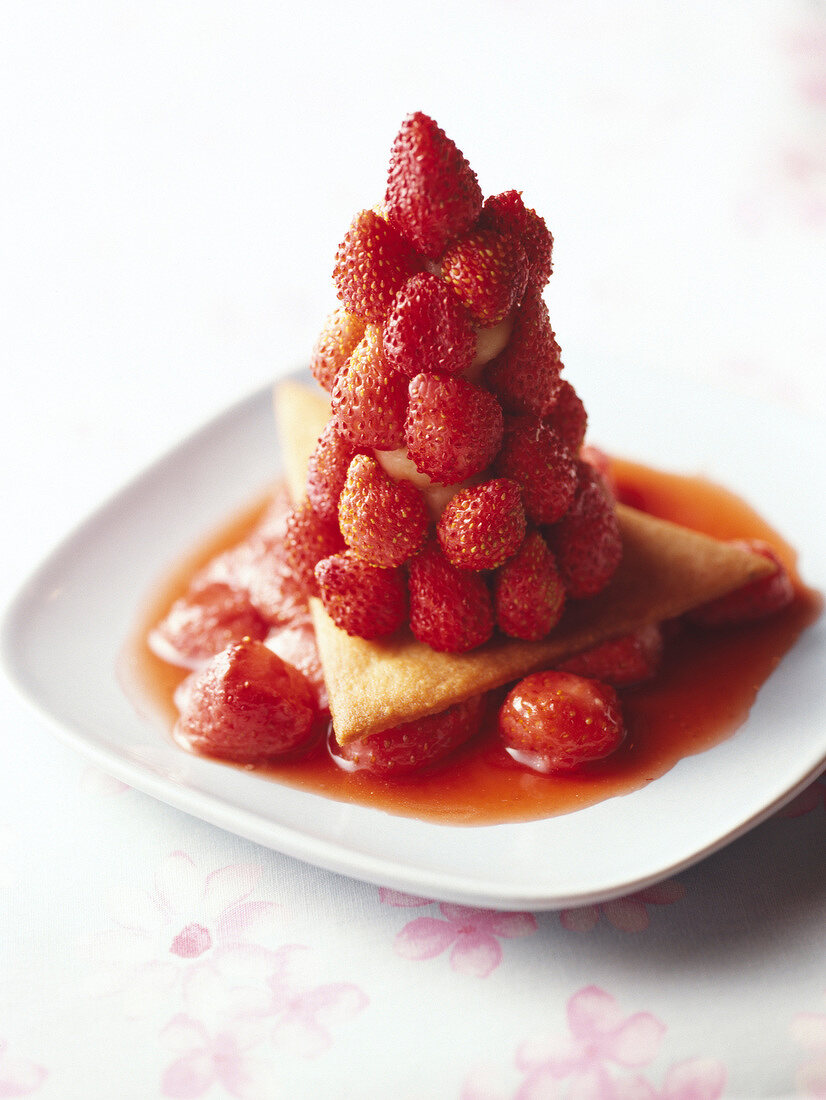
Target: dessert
(454,554)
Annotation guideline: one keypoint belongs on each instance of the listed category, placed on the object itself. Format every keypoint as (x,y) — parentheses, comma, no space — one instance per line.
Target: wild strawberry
(525,375)
(411,747)
(453,428)
(432,194)
(630,659)
(603,465)
(528,593)
(488,271)
(258,567)
(203,621)
(309,538)
(557,722)
(369,400)
(428,329)
(765,596)
(372,262)
(363,600)
(383,521)
(507,213)
(587,540)
(482,526)
(450,608)
(335,344)
(568,417)
(247,705)
(535,458)
(327,469)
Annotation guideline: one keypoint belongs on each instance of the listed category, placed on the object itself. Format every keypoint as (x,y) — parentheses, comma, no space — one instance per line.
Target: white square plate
(63,634)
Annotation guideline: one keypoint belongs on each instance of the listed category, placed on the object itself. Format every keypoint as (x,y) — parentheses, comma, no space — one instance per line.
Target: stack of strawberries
(448,489)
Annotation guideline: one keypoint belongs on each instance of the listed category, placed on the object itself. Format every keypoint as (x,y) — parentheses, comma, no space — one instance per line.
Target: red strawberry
(453,428)
(203,621)
(450,608)
(258,566)
(432,192)
(369,399)
(525,375)
(568,417)
(587,541)
(630,659)
(410,748)
(507,213)
(528,592)
(247,705)
(535,458)
(482,526)
(428,329)
(296,645)
(763,597)
(326,471)
(372,262)
(363,600)
(309,538)
(335,344)
(383,521)
(557,722)
(488,271)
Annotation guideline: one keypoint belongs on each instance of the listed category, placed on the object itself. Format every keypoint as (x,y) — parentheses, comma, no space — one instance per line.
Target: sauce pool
(703,692)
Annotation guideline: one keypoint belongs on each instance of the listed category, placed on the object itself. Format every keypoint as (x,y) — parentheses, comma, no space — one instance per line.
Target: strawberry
(765,596)
(482,526)
(369,400)
(335,344)
(450,608)
(587,541)
(432,193)
(428,329)
(528,593)
(309,538)
(258,566)
(372,262)
(247,705)
(382,521)
(556,722)
(534,456)
(296,645)
(453,429)
(411,747)
(568,417)
(326,471)
(629,659)
(488,271)
(507,213)
(525,374)
(364,600)
(203,621)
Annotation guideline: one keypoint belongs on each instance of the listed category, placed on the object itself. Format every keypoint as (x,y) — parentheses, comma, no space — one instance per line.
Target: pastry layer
(666,570)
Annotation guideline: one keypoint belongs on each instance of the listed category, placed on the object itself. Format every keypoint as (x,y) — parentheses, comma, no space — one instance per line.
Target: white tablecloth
(174,180)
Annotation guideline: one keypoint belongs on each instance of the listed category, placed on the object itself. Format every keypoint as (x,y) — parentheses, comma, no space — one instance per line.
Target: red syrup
(704,690)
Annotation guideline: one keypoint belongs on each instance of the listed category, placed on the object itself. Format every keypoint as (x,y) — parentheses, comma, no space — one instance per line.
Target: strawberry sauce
(702,694)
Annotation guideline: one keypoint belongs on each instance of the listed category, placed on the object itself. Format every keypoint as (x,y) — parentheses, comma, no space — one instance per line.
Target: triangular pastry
(665,571)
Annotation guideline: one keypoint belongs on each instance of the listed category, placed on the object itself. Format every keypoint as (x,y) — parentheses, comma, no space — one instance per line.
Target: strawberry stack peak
(450,490)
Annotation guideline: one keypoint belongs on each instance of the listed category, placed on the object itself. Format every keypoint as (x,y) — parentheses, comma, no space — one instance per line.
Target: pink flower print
(304,1012)
(628,914)
(470,933)
(18,1076)
(186,922)
(808,1029)
(808,800)
(599,1037)
(206,1058)
(692,1079)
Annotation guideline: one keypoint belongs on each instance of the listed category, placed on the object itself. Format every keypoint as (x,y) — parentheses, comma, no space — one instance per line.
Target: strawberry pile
(449,491)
